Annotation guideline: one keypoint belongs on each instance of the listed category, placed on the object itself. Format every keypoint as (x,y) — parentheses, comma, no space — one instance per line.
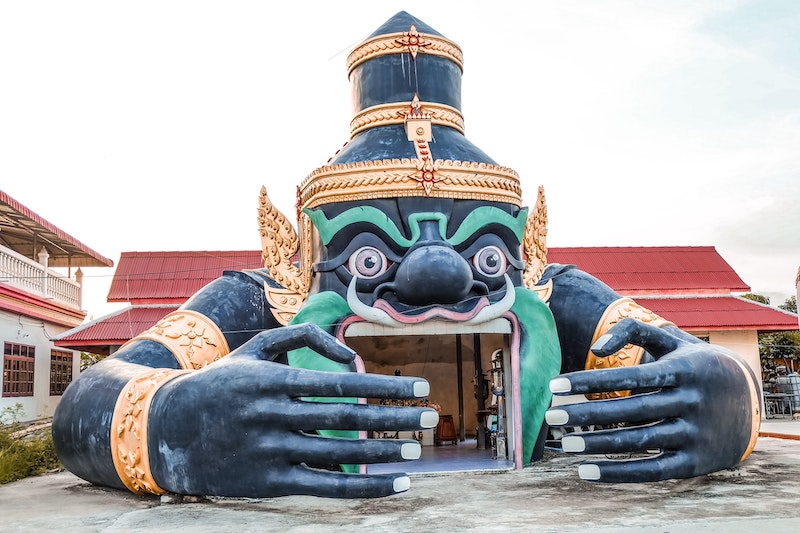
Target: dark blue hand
(697,404)
(241,426)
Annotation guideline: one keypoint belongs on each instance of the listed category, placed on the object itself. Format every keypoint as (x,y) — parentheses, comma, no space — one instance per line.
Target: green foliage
(23,456)
(790,305)
(88,359)
(779,347)
(757,298)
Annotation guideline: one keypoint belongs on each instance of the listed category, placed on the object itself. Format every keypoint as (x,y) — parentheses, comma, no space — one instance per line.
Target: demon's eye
(490,261)
(367,262)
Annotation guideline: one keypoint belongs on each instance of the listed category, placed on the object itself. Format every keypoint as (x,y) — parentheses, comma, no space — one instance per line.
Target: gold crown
(411,42)
(392,178)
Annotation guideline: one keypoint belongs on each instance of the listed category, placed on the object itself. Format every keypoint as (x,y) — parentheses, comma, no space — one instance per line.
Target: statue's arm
(227,312)
(658,388)
(585,309)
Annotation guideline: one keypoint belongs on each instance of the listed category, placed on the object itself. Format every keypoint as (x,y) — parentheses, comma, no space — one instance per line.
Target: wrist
(129,449)
(630,355)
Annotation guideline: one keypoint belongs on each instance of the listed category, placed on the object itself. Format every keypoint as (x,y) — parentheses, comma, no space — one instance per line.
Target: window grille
(19,361)
(60,371)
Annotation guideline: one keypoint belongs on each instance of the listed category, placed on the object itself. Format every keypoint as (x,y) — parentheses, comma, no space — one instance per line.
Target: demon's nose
(433,275)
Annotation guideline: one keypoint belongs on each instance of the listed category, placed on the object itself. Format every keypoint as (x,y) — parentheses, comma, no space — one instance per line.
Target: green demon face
(408,260)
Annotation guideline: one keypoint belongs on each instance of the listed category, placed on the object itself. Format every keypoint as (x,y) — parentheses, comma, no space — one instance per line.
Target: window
(60,371)
(18,363)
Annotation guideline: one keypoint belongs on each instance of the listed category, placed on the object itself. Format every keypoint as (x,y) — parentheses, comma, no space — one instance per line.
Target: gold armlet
(193,338)
(755,422)
(129,430)
(630,354)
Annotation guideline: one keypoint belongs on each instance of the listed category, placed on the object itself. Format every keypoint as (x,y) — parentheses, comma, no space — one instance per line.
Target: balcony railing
(23,273)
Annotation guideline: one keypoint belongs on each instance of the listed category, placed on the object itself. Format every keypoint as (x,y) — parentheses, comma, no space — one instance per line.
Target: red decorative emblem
(413,40)
(426,174)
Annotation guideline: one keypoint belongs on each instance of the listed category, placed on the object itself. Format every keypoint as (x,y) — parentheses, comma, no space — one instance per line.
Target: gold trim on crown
(534,242)
(398,43)
(394,178)
(395,113)
(280,246)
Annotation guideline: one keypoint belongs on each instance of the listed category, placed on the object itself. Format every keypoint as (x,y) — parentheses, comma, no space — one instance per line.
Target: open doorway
(468,392)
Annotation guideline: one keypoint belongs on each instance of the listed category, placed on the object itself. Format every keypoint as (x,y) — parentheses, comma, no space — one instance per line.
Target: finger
(667,435)
(356,417)
(670,465)
(629,331)
(303,383)
(312,449)
(339,485)
(632,409)
(281,340)
(659,374)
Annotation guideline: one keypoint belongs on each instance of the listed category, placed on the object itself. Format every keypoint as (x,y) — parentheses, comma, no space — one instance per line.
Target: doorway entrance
(466,369)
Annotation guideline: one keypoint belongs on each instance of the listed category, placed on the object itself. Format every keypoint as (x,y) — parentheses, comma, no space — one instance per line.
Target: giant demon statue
(249,389)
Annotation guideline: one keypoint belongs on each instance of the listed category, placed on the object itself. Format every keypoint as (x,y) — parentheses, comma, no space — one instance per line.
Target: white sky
(151,125)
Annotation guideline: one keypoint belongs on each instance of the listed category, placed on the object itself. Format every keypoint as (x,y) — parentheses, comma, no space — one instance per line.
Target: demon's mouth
(474,311)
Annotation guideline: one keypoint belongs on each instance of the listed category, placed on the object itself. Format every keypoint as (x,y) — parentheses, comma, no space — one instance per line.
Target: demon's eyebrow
(329,228)
(477,219)
(486,215)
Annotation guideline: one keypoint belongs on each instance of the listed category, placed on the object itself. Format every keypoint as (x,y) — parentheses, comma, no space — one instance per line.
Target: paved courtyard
(761,494)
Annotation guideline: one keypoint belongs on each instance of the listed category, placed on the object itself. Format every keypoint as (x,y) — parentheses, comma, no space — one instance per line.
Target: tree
(782,347)
(757,298)
(779,347)
(88,359)
(790,305)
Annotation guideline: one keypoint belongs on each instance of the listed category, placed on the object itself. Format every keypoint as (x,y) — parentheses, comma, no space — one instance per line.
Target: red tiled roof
(720,312)
(654,270)
(161,277)
(113,329)
(172,277)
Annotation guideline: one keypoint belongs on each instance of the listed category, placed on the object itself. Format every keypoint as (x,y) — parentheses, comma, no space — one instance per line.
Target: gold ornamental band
(193,338)
(391,178)
(394,113)
(630,354)
(129,430)
(393,43)
(755,405)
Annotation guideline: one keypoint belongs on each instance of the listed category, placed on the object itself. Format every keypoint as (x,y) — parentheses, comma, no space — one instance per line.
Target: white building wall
(743,342)
(25,330)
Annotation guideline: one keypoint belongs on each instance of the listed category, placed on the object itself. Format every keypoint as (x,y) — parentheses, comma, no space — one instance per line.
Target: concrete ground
(760,494)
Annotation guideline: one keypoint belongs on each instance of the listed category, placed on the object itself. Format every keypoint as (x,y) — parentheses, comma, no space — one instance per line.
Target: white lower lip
(379,316)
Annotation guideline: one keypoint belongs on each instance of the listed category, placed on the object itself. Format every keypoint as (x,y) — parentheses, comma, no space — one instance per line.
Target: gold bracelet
(755,405)
(630,354)
(129,430)
(194,339)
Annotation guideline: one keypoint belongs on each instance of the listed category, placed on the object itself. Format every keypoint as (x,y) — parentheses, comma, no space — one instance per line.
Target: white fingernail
(428,419)
(401,484)
(589,472)
(346,347)
(599,343)
(410,450)
(558,385)
(556,417)
(421,389)
(573,444)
